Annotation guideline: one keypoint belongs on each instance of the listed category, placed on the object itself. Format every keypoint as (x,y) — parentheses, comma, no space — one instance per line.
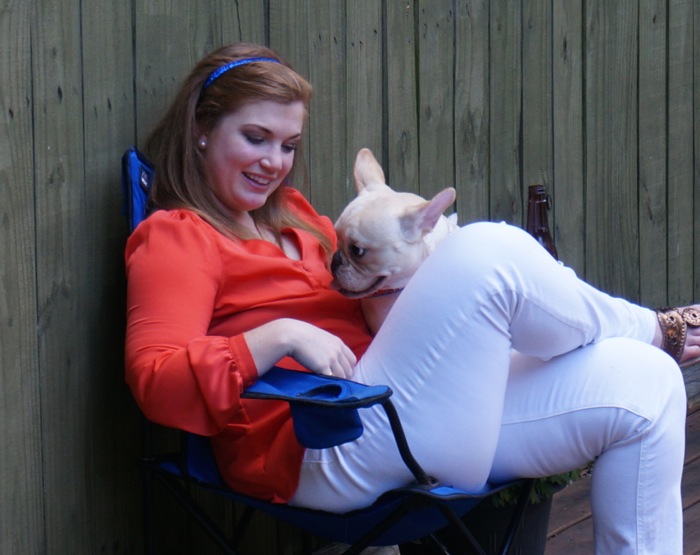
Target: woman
(229,276)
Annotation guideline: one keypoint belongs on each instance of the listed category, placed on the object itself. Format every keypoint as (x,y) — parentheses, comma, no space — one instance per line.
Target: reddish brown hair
(180,179)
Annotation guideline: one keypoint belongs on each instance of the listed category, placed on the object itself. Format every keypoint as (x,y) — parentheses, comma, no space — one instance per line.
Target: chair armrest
(324,408)
(314,389)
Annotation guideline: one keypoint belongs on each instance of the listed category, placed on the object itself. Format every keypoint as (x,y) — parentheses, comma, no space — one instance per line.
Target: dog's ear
(367,172)
(421,219)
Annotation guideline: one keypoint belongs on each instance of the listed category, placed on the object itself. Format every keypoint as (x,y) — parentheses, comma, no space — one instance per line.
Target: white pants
(584,384)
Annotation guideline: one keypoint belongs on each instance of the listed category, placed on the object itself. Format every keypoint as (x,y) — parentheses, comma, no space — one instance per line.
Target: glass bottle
(537,225)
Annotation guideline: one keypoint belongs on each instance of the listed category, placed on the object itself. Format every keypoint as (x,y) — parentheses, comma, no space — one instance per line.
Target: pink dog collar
(384,292)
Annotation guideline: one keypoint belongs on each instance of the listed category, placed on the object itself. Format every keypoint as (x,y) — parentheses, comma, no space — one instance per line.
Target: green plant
(544,487)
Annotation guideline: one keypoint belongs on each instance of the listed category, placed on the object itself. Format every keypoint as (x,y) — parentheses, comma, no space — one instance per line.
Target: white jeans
(584,384)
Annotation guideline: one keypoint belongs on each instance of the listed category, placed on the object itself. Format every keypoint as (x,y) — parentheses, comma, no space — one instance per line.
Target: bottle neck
(537,207)
(537,223)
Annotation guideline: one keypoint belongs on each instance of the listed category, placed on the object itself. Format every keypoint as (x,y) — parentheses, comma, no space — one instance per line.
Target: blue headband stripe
(223,69)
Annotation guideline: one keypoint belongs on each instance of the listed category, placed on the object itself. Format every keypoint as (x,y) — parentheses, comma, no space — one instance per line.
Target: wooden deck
(570,528)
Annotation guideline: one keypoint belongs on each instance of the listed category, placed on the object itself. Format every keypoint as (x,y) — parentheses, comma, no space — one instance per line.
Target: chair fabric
(325,413)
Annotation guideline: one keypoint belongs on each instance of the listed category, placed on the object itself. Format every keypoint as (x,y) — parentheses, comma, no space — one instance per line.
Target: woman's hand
(310,346)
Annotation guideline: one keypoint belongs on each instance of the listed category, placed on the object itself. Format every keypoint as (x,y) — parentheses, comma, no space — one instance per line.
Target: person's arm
(180,376)
(312,347)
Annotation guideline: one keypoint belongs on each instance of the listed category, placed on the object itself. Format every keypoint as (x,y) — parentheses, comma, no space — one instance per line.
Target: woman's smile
(250,152)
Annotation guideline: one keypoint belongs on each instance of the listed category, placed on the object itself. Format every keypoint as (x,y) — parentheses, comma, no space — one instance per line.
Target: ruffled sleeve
(180,376)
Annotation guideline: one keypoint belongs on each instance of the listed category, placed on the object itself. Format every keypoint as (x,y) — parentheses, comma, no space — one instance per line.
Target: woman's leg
(621,403)
(445,350)
(445,347)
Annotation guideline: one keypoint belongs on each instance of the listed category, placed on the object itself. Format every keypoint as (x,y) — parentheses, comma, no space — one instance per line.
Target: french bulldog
(383,237)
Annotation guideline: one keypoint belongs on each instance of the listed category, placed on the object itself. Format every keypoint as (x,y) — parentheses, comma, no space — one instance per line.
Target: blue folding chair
(325,413)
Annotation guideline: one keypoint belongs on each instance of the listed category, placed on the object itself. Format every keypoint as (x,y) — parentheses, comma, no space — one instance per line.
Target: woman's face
(250,152)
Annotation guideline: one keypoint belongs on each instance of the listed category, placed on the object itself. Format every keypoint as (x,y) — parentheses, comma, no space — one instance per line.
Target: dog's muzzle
(336,262)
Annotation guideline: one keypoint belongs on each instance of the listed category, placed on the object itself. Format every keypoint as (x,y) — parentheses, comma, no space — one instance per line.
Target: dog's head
(384,235)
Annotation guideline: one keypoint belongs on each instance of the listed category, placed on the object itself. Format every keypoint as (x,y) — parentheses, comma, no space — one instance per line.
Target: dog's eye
(357,252)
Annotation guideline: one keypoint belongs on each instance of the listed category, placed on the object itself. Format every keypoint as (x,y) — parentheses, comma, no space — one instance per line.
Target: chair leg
(375,532)
(187,503)
(148,520)
(439,544)
(459,525)
(513,526)
(517,517)
(243,521)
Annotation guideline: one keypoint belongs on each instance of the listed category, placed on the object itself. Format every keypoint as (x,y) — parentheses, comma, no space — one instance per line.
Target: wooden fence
(598,100)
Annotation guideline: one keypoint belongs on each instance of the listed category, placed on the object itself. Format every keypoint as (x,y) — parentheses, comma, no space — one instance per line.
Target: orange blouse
(192,293)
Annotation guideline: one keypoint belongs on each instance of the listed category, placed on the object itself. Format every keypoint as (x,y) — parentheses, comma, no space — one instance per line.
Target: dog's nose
(336,261)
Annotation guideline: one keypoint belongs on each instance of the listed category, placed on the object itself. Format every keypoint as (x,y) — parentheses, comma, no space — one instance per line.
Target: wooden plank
(169,37)
(571,525)
(691,530)
(401,159)
(365,110)
(505,69)
(472,106)
(696,142)
(567,122)
(691,471)
(652,152)
(113,422)
(537,158)
(317,52)
(691,376)
(21,499)
(65,317)
(436,96)
(691,486)
(239,22)
(571,507)
(331,184)
(295,48)
(611,147)
(680,192)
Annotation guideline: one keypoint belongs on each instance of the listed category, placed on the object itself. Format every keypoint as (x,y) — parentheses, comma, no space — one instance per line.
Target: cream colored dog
(383,237)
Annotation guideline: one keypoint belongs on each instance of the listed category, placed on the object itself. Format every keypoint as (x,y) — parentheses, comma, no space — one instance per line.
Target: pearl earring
(202,143)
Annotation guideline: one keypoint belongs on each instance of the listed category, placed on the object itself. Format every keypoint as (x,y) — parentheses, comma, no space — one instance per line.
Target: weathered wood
(691,374)
(318,50)
(435,101)
(677,197)
(365,86)
(691,530)
(570,522)
(652,154)
(537,161)
(169,37)
(691,486)
(696,142)
(680,188)
(505,102)
(568,127)
(64,293)
(611,147)
(111,420)
(300,15)
(472,106)
(21,496)
(401,162)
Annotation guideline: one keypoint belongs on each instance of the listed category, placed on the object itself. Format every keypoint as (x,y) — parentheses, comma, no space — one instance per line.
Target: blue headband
(223,69)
